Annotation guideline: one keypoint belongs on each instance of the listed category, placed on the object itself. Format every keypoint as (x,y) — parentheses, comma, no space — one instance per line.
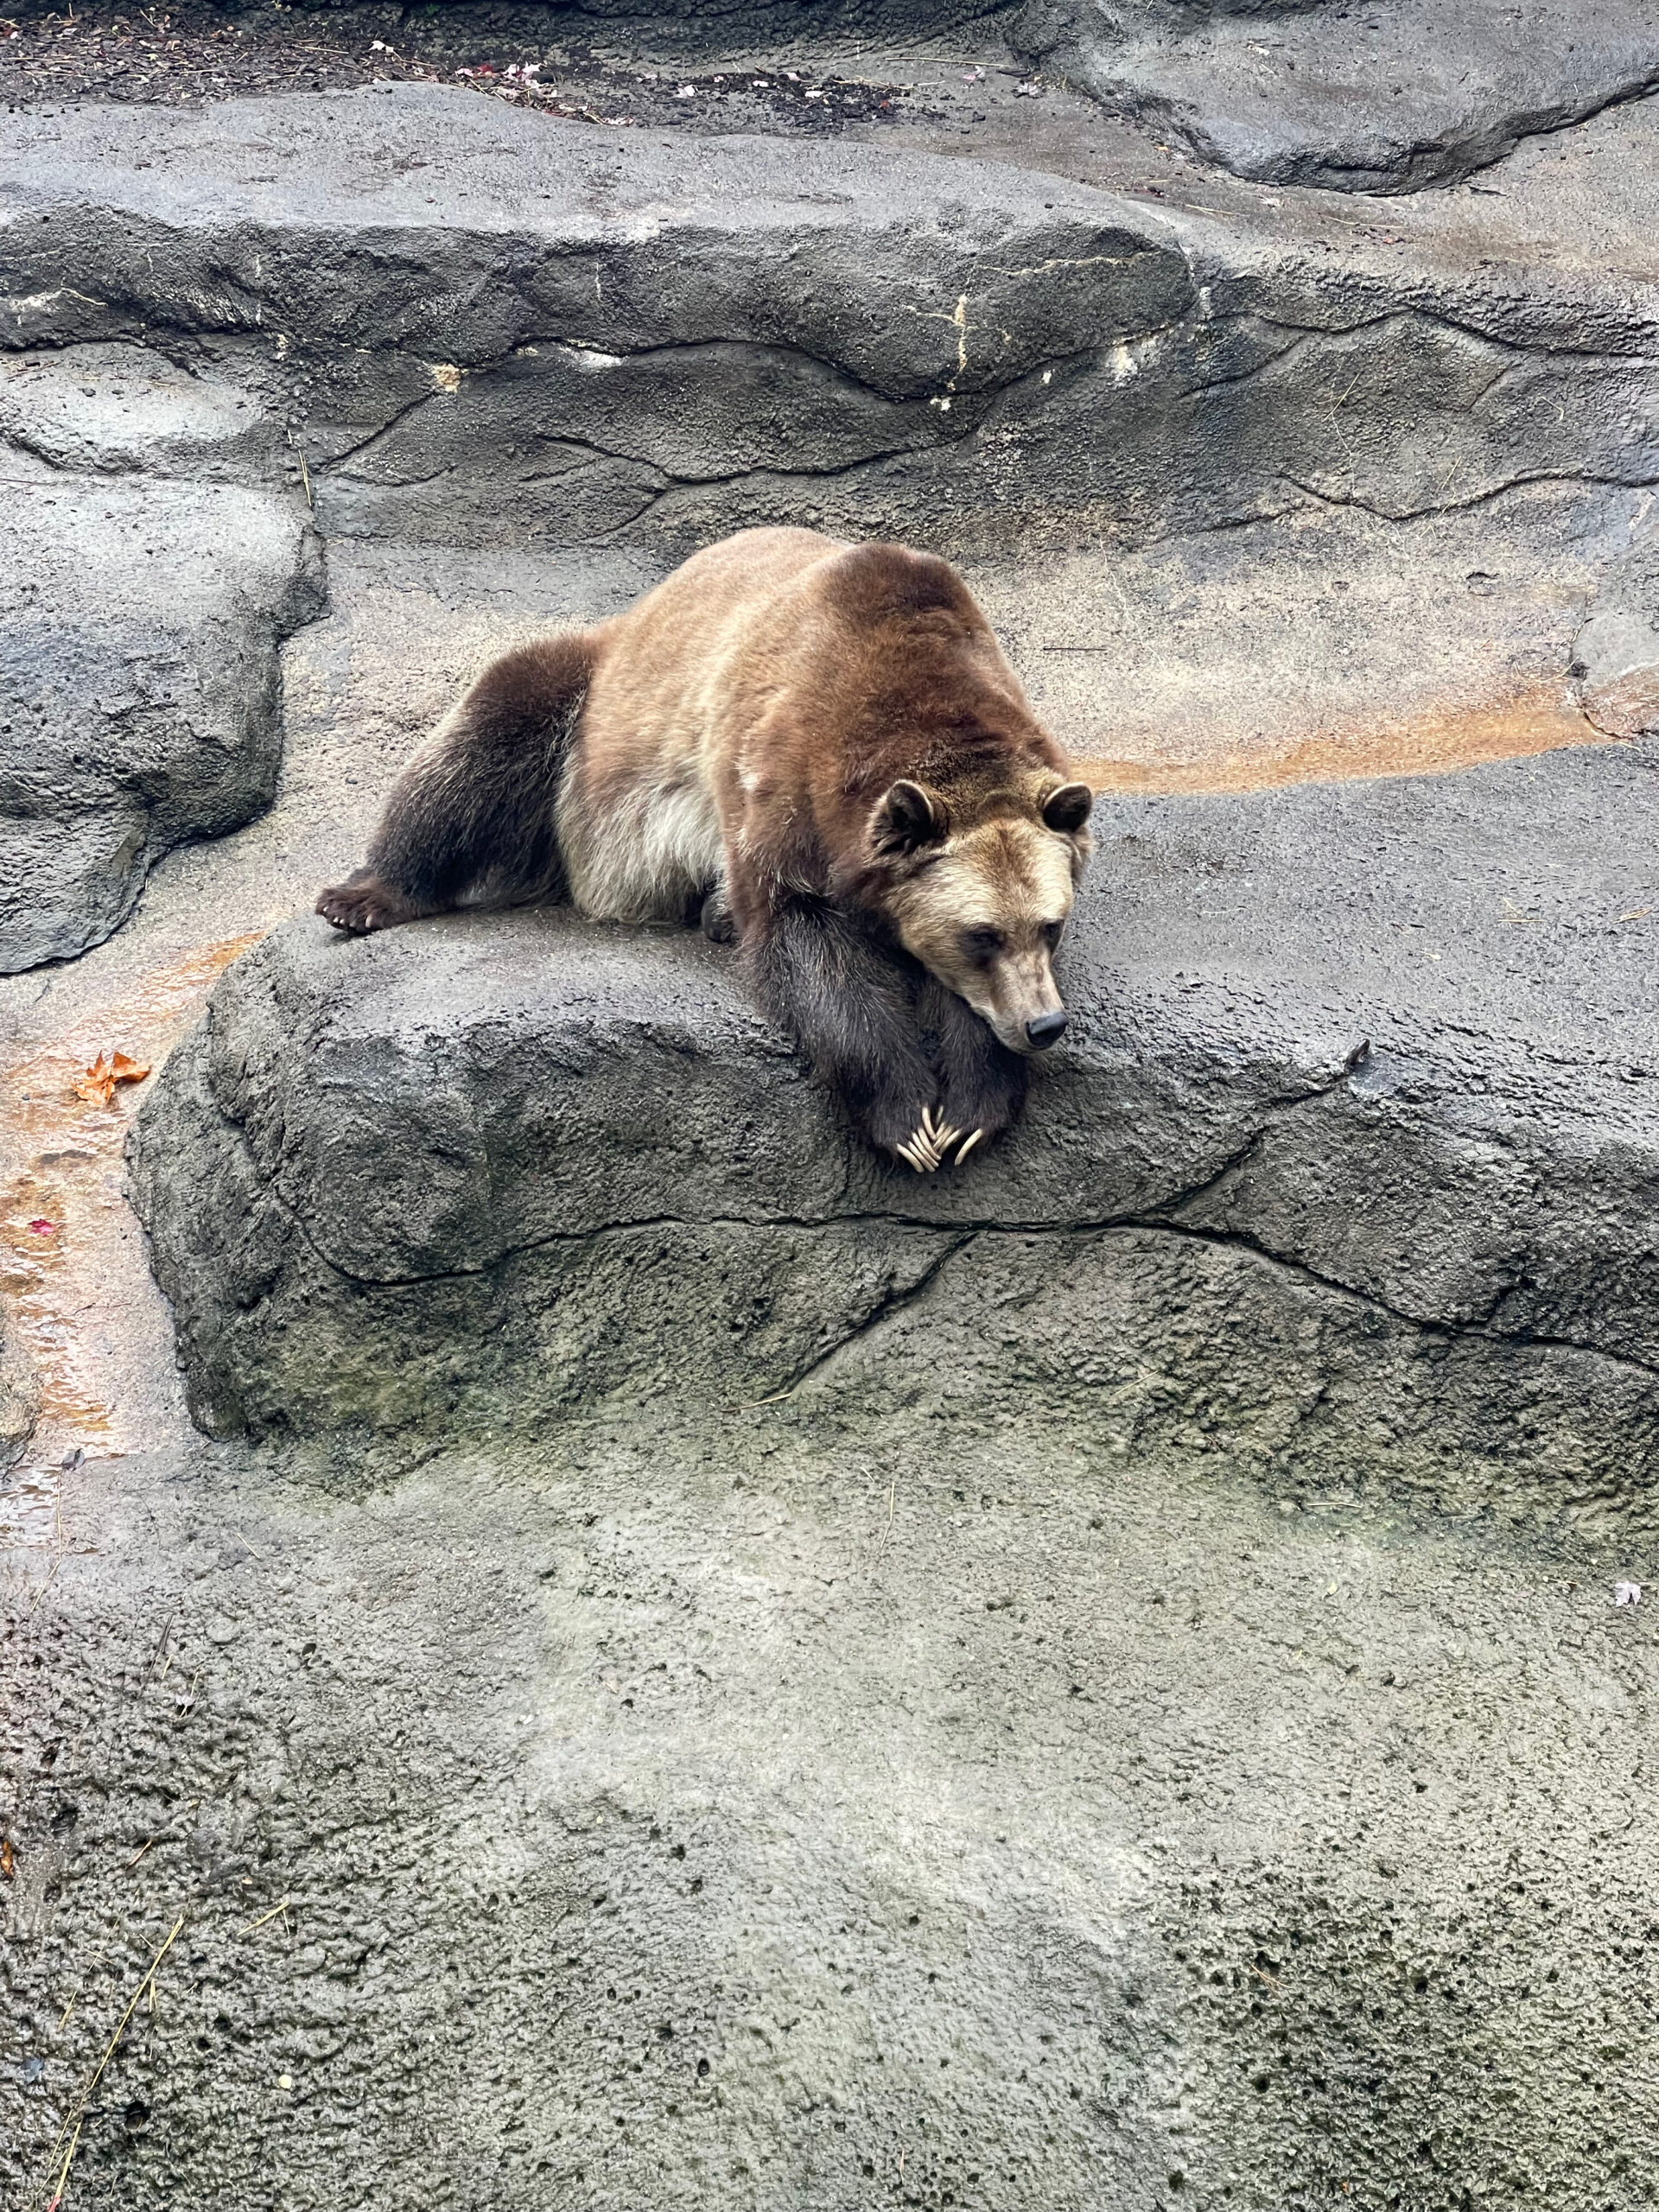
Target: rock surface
(1139,1720)
(1616,655)
(1372,1154)
(1384,98)
(455,326)
(19,1392)
(139,629)
(738,1815)
(486,327)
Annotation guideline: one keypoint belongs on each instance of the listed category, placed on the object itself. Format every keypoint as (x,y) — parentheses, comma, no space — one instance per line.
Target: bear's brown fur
(817,747)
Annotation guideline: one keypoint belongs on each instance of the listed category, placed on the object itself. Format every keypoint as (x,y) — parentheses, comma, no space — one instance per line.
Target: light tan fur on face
(1010,876)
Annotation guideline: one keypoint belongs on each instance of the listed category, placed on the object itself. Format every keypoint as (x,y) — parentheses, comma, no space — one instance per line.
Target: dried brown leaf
(96,1084)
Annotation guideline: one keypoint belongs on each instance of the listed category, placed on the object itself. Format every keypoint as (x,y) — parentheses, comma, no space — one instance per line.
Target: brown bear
(818,748)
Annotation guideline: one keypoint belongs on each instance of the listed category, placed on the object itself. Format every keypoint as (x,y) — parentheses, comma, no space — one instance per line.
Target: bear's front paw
(984,1099)
(926,1147)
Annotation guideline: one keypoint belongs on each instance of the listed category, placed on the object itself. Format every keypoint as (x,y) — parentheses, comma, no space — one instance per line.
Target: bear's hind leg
(474,810)
(364,903)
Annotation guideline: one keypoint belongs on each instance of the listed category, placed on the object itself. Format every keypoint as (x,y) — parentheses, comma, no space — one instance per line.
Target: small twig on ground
(271,1915)
(156,1656)
(63,2178)
(305,479)
(45,1586)
(886,1532)
(85,2098)
(752,1405)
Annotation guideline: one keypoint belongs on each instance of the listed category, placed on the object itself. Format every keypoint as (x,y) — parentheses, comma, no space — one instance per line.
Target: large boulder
(1365,1161)
(452,325)
(140,624)
(1384,98)
(423,318)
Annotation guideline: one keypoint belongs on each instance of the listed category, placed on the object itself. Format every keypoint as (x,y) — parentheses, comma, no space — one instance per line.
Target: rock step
(428,320)
(140,626)
(1373,100)
(1356,1152)
(484,327)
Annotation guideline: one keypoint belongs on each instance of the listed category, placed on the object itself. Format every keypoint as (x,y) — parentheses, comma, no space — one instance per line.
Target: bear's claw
(364,903)
(918,1152)
(939,1136)
(925,1147)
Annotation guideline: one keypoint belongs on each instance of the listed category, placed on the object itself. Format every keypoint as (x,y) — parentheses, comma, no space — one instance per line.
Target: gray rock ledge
(1355,1157)
(140,624)
(1390,97)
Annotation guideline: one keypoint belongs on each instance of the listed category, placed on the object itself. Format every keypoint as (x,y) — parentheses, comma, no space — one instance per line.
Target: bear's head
(982,903)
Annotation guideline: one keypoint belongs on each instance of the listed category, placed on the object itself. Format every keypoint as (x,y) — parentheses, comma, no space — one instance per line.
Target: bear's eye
(1050,933)
(982,944)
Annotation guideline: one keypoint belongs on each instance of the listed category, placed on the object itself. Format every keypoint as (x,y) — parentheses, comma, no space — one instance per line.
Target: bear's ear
(1069,808)
(905,817)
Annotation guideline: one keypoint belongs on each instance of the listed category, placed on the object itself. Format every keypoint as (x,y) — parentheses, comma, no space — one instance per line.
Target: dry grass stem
(264,1917)
(85,2098)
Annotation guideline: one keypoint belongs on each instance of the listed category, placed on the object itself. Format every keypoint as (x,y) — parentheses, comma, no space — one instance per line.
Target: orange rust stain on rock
(1540,720)
(64,1282)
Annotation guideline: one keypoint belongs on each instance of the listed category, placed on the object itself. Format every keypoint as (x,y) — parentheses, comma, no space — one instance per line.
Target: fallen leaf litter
(97,1083)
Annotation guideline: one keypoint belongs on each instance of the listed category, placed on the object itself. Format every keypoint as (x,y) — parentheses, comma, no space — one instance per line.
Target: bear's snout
(1045,1029)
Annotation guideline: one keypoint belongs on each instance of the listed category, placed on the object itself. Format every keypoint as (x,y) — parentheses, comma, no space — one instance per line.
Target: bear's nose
(1042,1033)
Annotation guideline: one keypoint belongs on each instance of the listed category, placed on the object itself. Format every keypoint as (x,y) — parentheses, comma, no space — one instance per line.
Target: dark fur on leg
(982,1083)
(474,812)
(847,1002)
(718,925)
